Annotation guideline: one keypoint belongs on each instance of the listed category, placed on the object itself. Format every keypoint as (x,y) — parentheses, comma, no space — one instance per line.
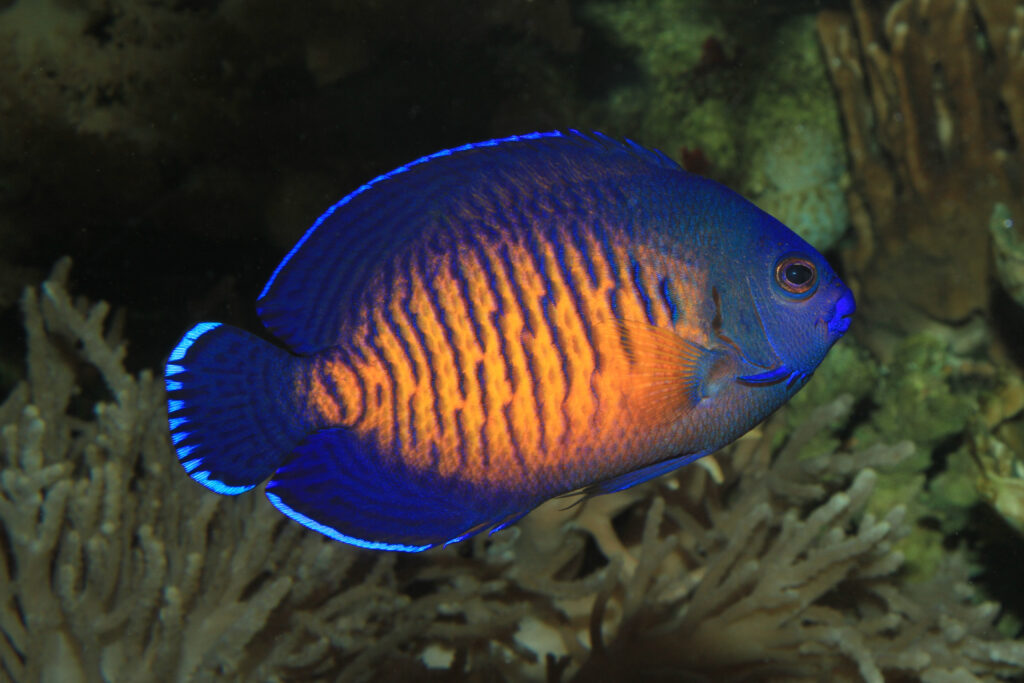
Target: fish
(498,324)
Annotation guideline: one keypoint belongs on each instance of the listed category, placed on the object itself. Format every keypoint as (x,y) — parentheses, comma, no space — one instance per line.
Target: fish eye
(796,275)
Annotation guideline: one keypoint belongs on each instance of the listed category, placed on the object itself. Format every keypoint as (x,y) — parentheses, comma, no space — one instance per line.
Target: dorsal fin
(318,282)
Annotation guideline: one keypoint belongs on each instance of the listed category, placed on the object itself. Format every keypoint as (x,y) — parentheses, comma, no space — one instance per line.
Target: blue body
(755,307)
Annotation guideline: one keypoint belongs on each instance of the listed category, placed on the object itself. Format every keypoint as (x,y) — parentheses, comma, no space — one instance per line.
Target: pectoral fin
(668,374)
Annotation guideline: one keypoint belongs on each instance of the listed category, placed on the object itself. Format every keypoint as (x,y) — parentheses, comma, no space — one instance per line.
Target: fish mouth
(842,314)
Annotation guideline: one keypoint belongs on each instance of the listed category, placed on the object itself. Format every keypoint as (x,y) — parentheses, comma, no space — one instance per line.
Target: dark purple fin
(232,423)
(336,485)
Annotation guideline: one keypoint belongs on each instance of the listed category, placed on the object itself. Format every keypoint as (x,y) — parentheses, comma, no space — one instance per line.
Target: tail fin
(231,410)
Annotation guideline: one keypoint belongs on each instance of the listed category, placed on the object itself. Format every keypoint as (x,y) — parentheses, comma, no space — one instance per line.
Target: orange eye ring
(796,275)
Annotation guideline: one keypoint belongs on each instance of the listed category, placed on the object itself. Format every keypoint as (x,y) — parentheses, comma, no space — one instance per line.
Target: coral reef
(768,563)
(1008,247)
(781,595)
(792,142)
(932,98)
(961,410)
(821,546)
(753,109)
(797,177)
(117,570)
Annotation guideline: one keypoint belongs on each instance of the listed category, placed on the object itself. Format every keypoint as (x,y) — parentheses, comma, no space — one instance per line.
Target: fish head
(791,305)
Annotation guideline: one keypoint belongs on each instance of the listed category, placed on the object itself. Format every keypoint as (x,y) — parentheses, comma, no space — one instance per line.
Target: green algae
(915,395)
(760,111)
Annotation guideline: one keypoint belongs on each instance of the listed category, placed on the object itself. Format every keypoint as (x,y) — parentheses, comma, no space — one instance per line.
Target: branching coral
(932,97)
(782,594)
(117,568)
(113,571)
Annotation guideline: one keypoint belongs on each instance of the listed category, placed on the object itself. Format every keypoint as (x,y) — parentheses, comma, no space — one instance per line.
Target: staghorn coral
(778,568)
(117,569)
(762,565)
(785,595)
(113,572)
(932,98)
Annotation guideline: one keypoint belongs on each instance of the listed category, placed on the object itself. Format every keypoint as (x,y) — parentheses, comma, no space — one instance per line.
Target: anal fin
(343,488)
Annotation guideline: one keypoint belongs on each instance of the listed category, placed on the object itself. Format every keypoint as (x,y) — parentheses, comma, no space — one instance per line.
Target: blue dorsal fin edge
(312,291)
(385,176)
(653,155)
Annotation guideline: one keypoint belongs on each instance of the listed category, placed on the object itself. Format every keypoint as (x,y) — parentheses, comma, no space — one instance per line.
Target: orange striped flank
(491,364)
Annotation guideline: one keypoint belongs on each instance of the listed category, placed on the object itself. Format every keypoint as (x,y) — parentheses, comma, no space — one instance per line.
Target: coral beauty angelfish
(493,325)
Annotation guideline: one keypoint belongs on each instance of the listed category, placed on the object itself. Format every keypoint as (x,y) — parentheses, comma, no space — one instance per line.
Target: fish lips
(842,315)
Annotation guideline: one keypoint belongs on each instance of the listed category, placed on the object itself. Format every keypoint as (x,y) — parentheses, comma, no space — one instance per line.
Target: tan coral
(118,568)
(786,595)
(932,102)
(116,571)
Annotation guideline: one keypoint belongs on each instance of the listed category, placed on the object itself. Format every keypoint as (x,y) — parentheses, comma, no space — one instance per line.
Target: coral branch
(931,102)
(770,564)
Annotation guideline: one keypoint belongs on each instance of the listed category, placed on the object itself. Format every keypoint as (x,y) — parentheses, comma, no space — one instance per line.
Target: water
(176,150)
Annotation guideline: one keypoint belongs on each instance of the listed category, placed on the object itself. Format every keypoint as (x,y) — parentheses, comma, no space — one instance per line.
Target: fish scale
(489,326)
